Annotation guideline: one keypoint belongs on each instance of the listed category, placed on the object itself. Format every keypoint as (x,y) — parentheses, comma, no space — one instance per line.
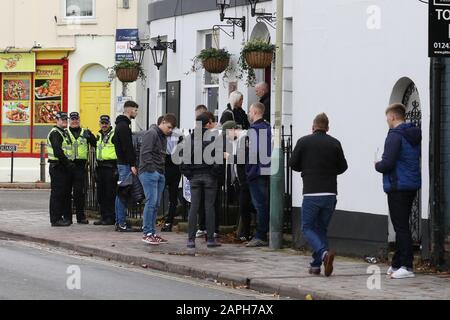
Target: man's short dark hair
(201,107)
(130,104)
(205,118)
(398,109)
(321,121)
(170,118)
(160,120)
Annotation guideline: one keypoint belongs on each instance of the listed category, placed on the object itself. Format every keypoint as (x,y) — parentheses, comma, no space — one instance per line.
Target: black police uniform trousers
(78,184)
(106,190)
(60,195)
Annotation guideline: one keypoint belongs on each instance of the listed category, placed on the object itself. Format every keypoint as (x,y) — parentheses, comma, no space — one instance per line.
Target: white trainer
(200,233)
(391,270)
(402,273)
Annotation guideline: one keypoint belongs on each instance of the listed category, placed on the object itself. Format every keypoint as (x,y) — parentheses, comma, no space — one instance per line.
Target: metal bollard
(12,167)
(43,145)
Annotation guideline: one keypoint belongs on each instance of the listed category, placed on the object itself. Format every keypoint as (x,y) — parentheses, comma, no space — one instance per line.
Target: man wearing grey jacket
(151,173)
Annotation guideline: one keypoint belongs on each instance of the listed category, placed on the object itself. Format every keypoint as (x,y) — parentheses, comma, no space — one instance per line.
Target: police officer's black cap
(61,115)
(74,115)
(105,118)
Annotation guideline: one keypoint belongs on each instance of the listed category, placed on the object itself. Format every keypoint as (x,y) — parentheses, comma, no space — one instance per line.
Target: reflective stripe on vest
(66,146)
(105,148)
(79,146)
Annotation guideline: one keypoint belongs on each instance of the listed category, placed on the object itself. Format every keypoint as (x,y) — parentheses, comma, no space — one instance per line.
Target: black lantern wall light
(231,22)
(267,18)
(159,51)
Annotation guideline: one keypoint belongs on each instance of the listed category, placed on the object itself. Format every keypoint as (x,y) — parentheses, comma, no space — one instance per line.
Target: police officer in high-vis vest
(106,172)
(59,149)
(81,139)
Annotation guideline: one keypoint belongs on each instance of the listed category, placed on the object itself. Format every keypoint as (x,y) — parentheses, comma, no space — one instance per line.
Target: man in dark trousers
(126,157)
(320,159)
(262,90)
(172,176)
(400,166)
(59,149)
(106,172)
(81,139)
(202,174)
(151,174)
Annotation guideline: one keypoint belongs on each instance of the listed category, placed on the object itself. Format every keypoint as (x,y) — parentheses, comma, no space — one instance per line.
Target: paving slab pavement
(278,272)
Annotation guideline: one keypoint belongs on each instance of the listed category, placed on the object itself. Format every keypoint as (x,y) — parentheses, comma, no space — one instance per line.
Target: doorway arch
(406,92)
(95,96)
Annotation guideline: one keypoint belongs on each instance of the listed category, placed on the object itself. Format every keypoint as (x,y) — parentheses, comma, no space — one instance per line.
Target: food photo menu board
(16,110)
(48,101)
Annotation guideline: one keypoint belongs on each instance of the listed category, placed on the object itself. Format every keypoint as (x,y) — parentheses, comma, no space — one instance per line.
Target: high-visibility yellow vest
(105,147)
(79,146)
(66,146)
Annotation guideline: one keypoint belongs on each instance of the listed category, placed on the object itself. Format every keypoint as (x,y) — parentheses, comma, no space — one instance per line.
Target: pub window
(211,81)
(79,8)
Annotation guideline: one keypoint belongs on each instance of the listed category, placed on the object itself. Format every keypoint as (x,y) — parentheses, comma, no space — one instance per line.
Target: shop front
(33,89)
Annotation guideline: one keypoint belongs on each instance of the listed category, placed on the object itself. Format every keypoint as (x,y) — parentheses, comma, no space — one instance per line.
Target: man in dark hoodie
(202,174)
(151,173)
(258,171)
(400,166)
(126,157)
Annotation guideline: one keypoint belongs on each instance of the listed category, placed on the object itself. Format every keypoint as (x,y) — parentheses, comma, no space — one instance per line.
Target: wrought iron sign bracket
(222,26)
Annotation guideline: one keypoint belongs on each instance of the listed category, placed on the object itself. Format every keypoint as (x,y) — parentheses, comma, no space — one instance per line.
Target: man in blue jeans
(257,169)
(126,157)
(151,173)
(320,159)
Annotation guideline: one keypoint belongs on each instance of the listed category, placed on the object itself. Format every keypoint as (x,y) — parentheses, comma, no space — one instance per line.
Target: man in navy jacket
(400,166)
(258,172)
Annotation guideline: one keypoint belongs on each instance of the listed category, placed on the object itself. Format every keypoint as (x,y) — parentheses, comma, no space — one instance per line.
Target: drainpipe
(277,177)
(436,210)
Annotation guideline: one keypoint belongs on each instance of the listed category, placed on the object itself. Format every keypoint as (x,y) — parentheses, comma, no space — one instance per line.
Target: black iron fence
(227,197)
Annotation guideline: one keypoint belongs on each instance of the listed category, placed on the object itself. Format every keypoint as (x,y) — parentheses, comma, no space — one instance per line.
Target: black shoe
(125,228)
(84,221)
(104,223)
(167,227)
(61,223)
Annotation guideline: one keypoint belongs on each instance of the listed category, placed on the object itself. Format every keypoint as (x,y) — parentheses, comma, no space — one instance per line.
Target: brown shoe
(314,271)
(328,263)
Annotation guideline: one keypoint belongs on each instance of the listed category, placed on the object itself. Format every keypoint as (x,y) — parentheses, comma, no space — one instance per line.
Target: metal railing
(227,197)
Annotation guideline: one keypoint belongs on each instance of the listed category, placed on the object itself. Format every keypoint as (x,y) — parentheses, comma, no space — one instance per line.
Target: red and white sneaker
(147,238)
(159,239)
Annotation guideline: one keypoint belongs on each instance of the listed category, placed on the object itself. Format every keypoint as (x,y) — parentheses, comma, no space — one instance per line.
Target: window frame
(66,17)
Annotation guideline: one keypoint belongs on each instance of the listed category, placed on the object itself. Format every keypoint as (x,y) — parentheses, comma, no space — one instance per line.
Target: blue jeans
(259,190)
(121,208)
(316,216)
(154,184)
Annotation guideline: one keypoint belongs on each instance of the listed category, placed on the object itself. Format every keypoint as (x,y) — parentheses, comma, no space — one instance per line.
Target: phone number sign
(439,28)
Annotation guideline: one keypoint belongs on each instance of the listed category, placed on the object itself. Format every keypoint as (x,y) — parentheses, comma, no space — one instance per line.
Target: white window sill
(76,21)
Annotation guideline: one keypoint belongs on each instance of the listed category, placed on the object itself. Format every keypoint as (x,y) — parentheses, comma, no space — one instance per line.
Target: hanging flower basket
(259,59)
(215,65)
(127,74)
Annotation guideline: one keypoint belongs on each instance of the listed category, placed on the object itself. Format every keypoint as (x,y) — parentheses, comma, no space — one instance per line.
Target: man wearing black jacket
(262,90)
(81,139)
(320,159)
(59,148)
(202,174)
(126,156)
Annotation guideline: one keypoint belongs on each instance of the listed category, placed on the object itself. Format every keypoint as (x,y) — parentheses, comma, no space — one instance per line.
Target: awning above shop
(24,60)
